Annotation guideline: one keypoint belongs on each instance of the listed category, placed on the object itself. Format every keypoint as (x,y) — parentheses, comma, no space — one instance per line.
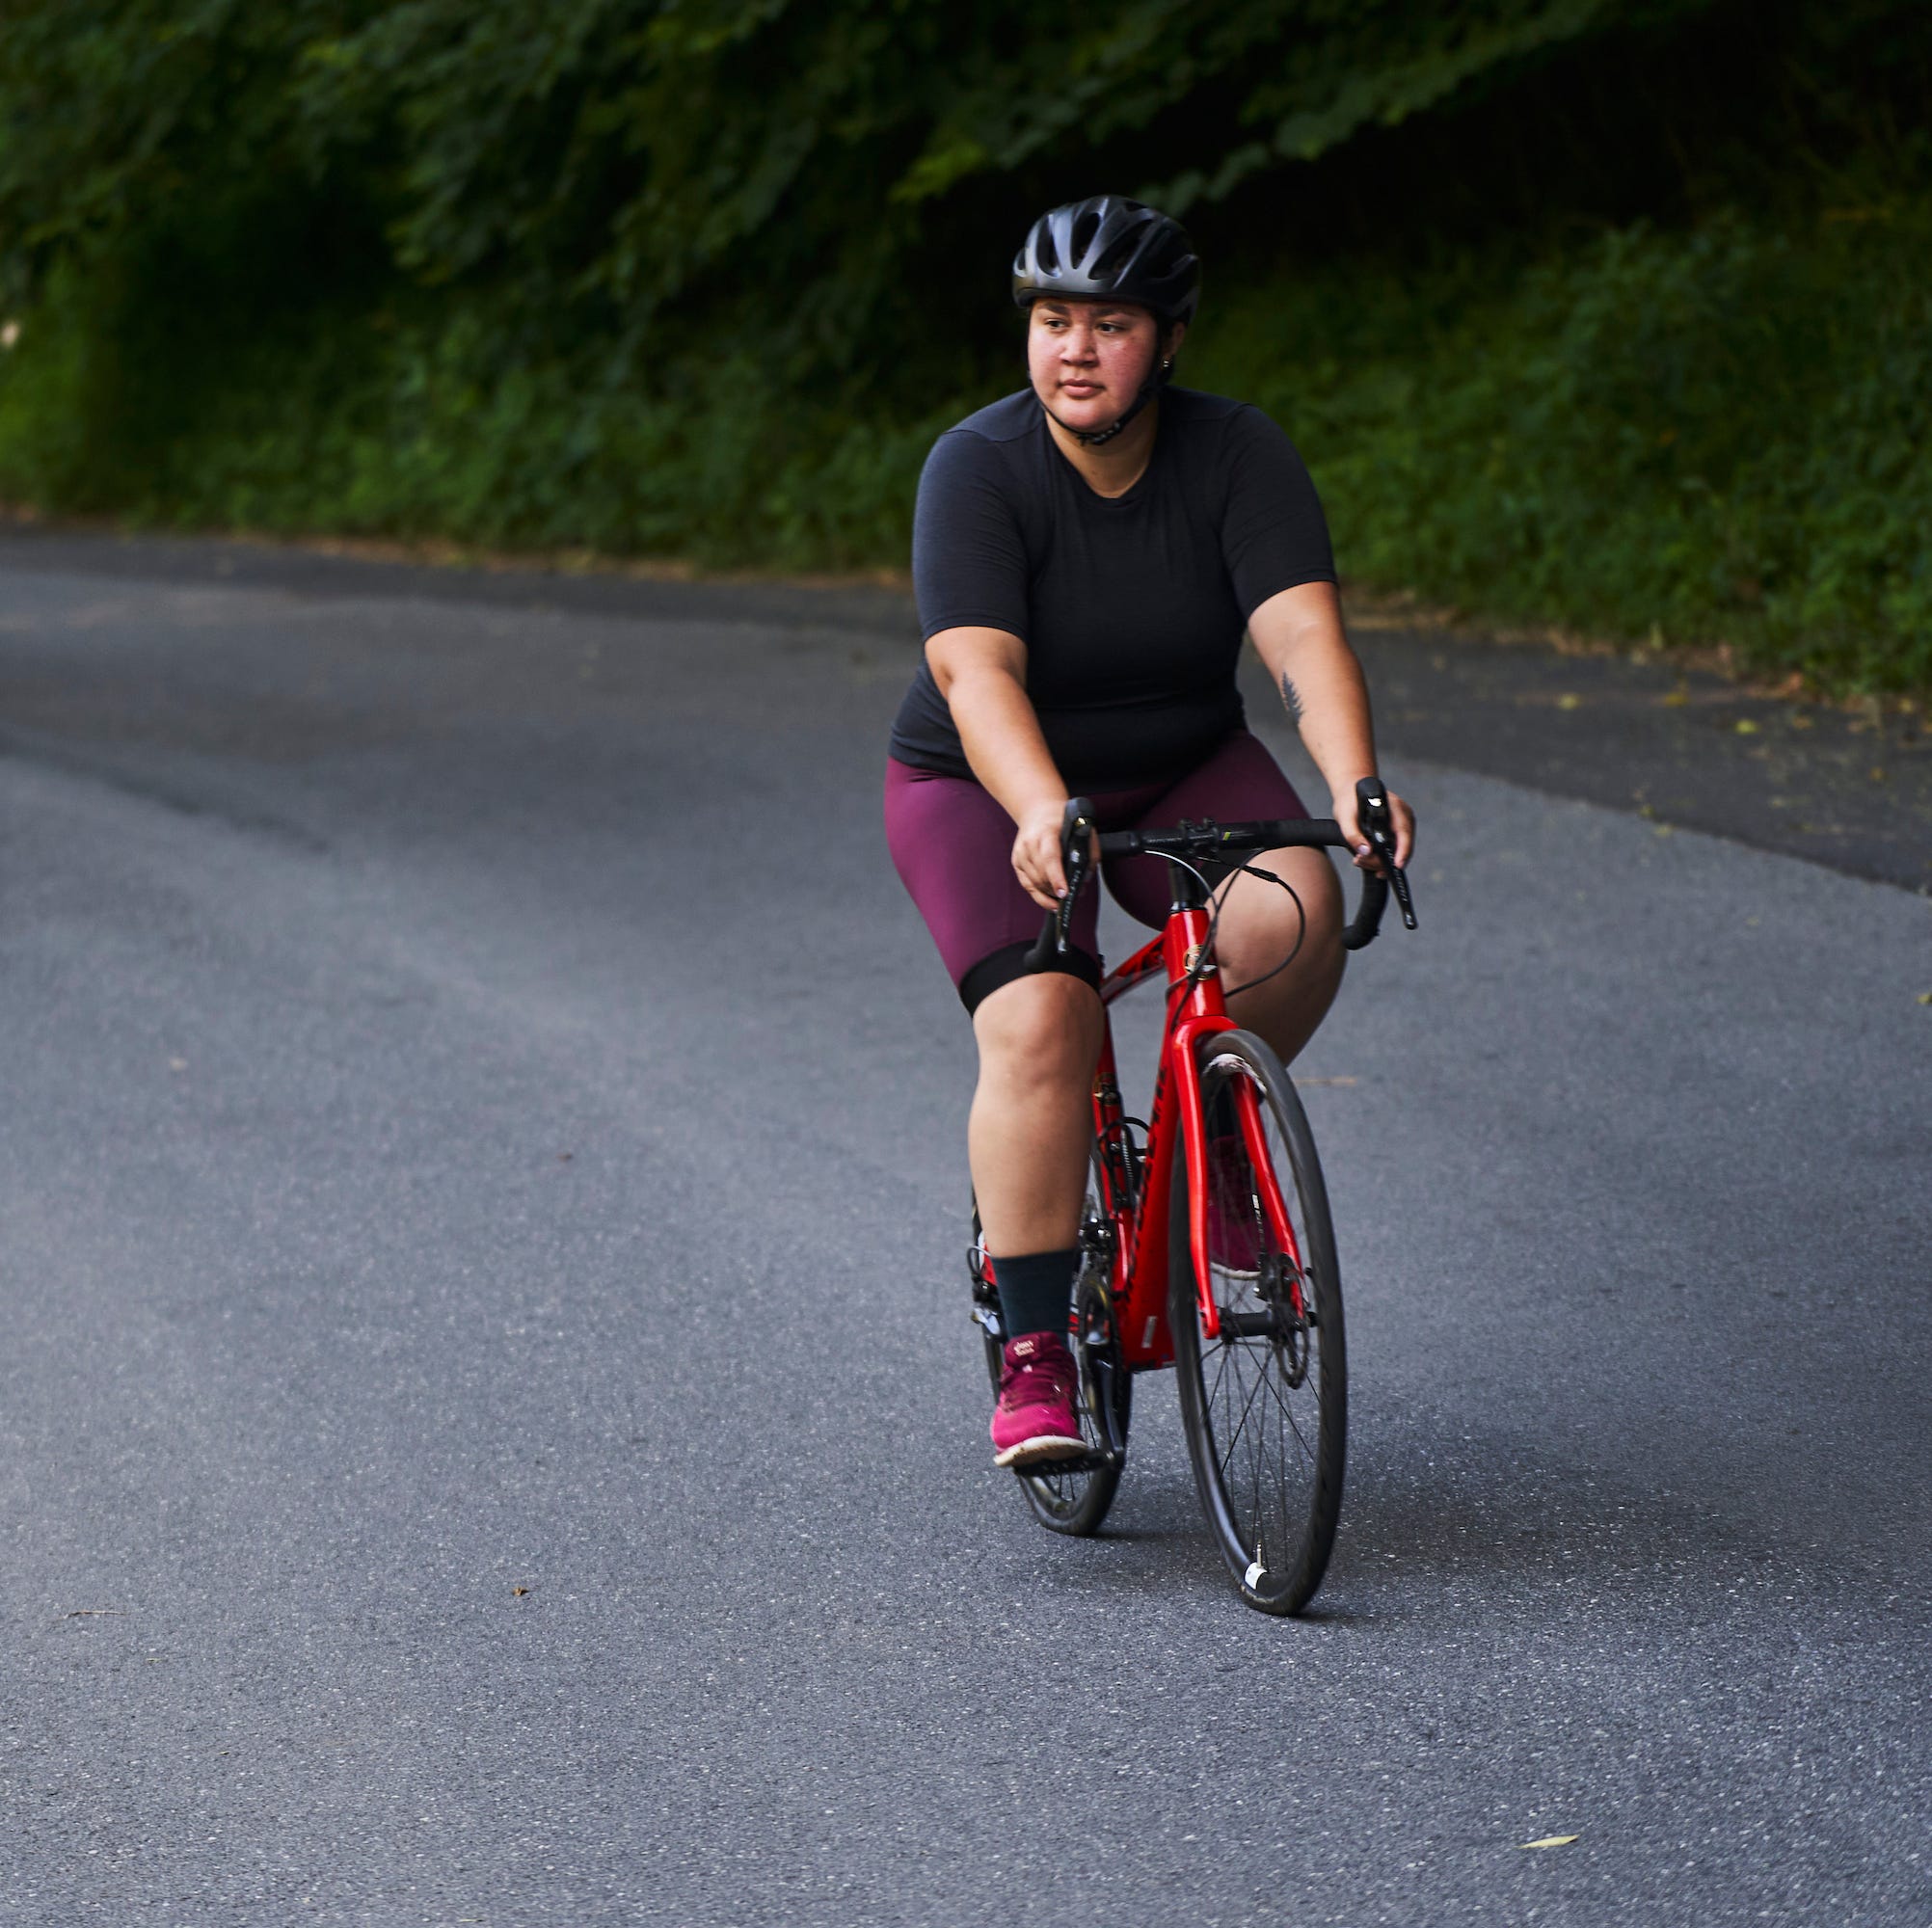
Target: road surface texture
(489,1427)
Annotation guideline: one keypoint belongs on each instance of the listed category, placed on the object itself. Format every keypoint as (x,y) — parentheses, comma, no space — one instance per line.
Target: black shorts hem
(1000,968)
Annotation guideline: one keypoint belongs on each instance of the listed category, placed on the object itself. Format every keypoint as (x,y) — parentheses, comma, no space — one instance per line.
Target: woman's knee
(1042,1029)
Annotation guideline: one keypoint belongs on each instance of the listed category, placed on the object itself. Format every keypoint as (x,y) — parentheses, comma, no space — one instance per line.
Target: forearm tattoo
(1292,697)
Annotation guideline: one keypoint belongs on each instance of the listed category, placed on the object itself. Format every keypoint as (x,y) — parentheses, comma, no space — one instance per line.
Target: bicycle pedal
(1085,1462)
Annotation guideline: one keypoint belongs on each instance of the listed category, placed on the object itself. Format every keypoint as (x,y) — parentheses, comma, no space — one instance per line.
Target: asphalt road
(489,1430)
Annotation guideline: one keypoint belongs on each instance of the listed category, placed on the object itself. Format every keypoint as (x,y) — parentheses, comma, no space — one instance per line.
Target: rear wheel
(1265,1402)
(1073,1496)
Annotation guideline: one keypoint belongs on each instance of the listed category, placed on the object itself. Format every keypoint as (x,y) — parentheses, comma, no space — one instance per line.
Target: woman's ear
(1171,344)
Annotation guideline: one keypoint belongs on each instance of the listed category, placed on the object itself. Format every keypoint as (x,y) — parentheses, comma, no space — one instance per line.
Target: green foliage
(638,148)
(1558,317)
(1717,436)
(414,428)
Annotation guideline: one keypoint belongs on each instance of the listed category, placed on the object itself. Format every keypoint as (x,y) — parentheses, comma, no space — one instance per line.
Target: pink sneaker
(1234,1229)
(1035,1420)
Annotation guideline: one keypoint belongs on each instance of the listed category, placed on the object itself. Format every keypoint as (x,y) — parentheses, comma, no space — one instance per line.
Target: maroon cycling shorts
(953,846)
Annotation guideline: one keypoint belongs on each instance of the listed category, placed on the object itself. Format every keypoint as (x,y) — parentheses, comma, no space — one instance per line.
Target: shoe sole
(1046,1446)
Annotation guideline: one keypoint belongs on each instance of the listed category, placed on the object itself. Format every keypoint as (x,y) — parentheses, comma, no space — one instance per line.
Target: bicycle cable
(1300,935)
(1196,972)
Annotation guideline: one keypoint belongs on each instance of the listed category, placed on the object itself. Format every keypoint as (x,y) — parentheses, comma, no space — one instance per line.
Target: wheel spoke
(1287,1411)
(1222,1349)
(1250,1435)
(1247,1404)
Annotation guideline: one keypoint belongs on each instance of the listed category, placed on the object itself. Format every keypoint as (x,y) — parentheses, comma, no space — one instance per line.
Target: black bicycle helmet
(1110,248)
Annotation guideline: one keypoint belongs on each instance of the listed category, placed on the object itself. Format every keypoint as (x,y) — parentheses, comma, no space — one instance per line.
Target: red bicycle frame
(1138,1182)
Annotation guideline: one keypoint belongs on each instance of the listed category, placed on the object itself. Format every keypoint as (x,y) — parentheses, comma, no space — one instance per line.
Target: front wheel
(1265,1402)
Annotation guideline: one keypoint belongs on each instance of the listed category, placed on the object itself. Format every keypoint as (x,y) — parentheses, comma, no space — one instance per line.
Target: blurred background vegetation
(1616,315)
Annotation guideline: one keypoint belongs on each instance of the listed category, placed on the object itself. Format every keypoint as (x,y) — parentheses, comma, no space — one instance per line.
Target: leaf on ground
(519,1591)
(1675,700)
(1569,700)
(1549,1841)
(1745,727)
(1926,997)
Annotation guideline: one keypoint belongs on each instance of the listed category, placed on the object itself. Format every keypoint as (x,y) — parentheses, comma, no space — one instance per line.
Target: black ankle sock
(1036,1290)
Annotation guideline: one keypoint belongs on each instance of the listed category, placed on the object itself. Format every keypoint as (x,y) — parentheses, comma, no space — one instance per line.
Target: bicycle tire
(1075,1500)
(1266,1409)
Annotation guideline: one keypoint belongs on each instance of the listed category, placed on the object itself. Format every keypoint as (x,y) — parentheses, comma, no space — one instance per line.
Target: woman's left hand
(1345,811)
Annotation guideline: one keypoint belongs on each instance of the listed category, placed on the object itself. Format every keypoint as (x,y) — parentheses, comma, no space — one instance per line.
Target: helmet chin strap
(1097,438)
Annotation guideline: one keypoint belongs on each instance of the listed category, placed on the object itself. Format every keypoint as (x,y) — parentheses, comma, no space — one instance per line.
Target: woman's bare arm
(982,676)
(1298,635)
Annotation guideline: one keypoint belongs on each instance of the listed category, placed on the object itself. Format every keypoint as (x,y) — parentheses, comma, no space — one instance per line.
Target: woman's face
(1090,359)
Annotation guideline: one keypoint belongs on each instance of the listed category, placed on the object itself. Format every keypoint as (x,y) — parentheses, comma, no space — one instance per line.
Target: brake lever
(1076,827)
(1378,824)
(1063,916)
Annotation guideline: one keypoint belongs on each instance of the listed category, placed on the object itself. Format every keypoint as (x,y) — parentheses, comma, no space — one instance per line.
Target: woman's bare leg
(1259,925)
(1032,1112)
(1039,1041)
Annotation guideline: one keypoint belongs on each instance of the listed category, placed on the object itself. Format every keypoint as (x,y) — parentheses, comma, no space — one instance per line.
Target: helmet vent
(1086,230)
(1119,251)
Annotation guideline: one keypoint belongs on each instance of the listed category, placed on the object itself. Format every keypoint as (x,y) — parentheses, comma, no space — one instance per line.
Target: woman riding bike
(1087,554)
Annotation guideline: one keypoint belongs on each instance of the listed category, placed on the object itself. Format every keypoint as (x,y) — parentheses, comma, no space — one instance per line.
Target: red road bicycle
(1205,1242)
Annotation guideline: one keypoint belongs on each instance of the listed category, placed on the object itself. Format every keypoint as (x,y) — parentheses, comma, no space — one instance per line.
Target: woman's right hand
(1037,854)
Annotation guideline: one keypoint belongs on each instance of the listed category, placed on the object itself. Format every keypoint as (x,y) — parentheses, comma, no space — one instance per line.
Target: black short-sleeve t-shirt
(1132,608)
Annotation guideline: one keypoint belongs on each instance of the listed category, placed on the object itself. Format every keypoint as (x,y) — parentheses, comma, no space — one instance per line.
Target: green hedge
(1724,435)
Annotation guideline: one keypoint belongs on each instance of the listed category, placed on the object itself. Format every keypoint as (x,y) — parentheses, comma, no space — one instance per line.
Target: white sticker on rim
(1255,1572)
